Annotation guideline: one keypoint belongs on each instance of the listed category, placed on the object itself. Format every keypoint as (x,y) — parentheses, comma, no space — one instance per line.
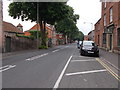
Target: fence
(21,43)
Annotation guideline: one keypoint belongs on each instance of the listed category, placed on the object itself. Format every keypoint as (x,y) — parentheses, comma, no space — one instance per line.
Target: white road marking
(85,72)
(4,67)
(77,56)
(109,63)
(55,50)
(36,57)
(9,67)
(83,60)
(62,73)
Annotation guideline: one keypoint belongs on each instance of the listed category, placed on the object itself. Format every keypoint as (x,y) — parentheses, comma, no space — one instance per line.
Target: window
(98,39)
(104,38)
(111,15)
(119,37)
(105,4)
(104,19)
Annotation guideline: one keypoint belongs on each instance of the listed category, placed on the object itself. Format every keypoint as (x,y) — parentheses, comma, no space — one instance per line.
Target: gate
(8,44)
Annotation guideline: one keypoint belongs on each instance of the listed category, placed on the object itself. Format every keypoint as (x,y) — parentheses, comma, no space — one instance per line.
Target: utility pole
(37,25)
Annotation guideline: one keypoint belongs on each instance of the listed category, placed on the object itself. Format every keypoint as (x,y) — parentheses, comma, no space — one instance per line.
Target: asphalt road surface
(60,67)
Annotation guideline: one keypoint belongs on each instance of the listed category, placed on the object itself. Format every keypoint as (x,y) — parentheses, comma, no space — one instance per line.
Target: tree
(48,13)
(79,36)
(68,26)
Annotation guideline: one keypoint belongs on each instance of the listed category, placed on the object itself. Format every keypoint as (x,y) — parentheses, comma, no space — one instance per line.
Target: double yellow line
(108,69)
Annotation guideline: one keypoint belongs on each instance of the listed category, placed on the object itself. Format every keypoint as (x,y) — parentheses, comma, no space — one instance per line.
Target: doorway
(110,41)
(7,44)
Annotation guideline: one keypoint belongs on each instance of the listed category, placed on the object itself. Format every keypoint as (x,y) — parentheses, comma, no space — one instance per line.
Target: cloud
(89,11)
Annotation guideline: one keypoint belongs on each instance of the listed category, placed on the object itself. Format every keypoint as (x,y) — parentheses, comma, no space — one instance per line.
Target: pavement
(111,59)
(59,67)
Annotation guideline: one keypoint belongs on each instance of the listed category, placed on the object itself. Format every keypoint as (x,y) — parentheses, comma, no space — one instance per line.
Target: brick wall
(116,22)
(97,32)
(21,43)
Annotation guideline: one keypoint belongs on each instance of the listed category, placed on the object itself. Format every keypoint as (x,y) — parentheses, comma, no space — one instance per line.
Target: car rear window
(89,44)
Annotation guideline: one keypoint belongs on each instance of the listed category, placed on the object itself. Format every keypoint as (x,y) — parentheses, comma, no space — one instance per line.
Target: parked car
(89,48)
(79,44)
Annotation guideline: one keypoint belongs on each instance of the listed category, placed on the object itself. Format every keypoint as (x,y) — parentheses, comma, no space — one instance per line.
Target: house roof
(8,27)
(37,26)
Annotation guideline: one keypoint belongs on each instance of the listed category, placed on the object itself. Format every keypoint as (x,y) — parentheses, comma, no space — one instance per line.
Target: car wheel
(81,53)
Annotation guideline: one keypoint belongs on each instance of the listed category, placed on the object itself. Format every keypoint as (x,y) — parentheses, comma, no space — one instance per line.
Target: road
(60,67)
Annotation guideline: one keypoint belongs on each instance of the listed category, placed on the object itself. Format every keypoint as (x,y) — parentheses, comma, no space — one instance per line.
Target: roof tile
(10,27)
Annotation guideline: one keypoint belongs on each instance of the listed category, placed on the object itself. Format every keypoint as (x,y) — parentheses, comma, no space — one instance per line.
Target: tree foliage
(48,13)
(79,36)
(68,26)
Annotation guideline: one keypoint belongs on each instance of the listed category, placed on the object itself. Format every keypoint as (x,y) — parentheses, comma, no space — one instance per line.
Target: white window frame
(111,14)
(105,4)
(104,19)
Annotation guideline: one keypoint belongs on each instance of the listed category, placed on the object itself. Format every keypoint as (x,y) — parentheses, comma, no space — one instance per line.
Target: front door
(110,41)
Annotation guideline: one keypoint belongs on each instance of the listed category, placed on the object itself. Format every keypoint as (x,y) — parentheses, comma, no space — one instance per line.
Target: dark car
(89,48)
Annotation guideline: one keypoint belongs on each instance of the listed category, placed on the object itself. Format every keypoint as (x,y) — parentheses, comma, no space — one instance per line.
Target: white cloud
(26,24)
(89,11)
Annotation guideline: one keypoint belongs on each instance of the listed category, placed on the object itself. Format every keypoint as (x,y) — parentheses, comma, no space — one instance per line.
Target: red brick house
(55,38)
(60,39)
(107,29)
(97,36)
(36,26)
(9,32)
(50,32)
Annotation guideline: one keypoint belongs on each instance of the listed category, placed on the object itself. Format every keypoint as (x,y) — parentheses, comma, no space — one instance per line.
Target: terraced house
(107,29)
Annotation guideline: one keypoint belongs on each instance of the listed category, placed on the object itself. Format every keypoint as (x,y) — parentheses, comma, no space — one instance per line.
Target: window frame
(118,37)
(111,14)
(104,38)
(105,20)
(105,4)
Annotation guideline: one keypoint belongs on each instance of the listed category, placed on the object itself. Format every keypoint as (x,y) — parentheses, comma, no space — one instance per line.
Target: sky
(88,10)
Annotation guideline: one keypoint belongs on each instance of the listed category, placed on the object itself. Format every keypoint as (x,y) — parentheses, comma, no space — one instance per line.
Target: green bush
(43,47)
